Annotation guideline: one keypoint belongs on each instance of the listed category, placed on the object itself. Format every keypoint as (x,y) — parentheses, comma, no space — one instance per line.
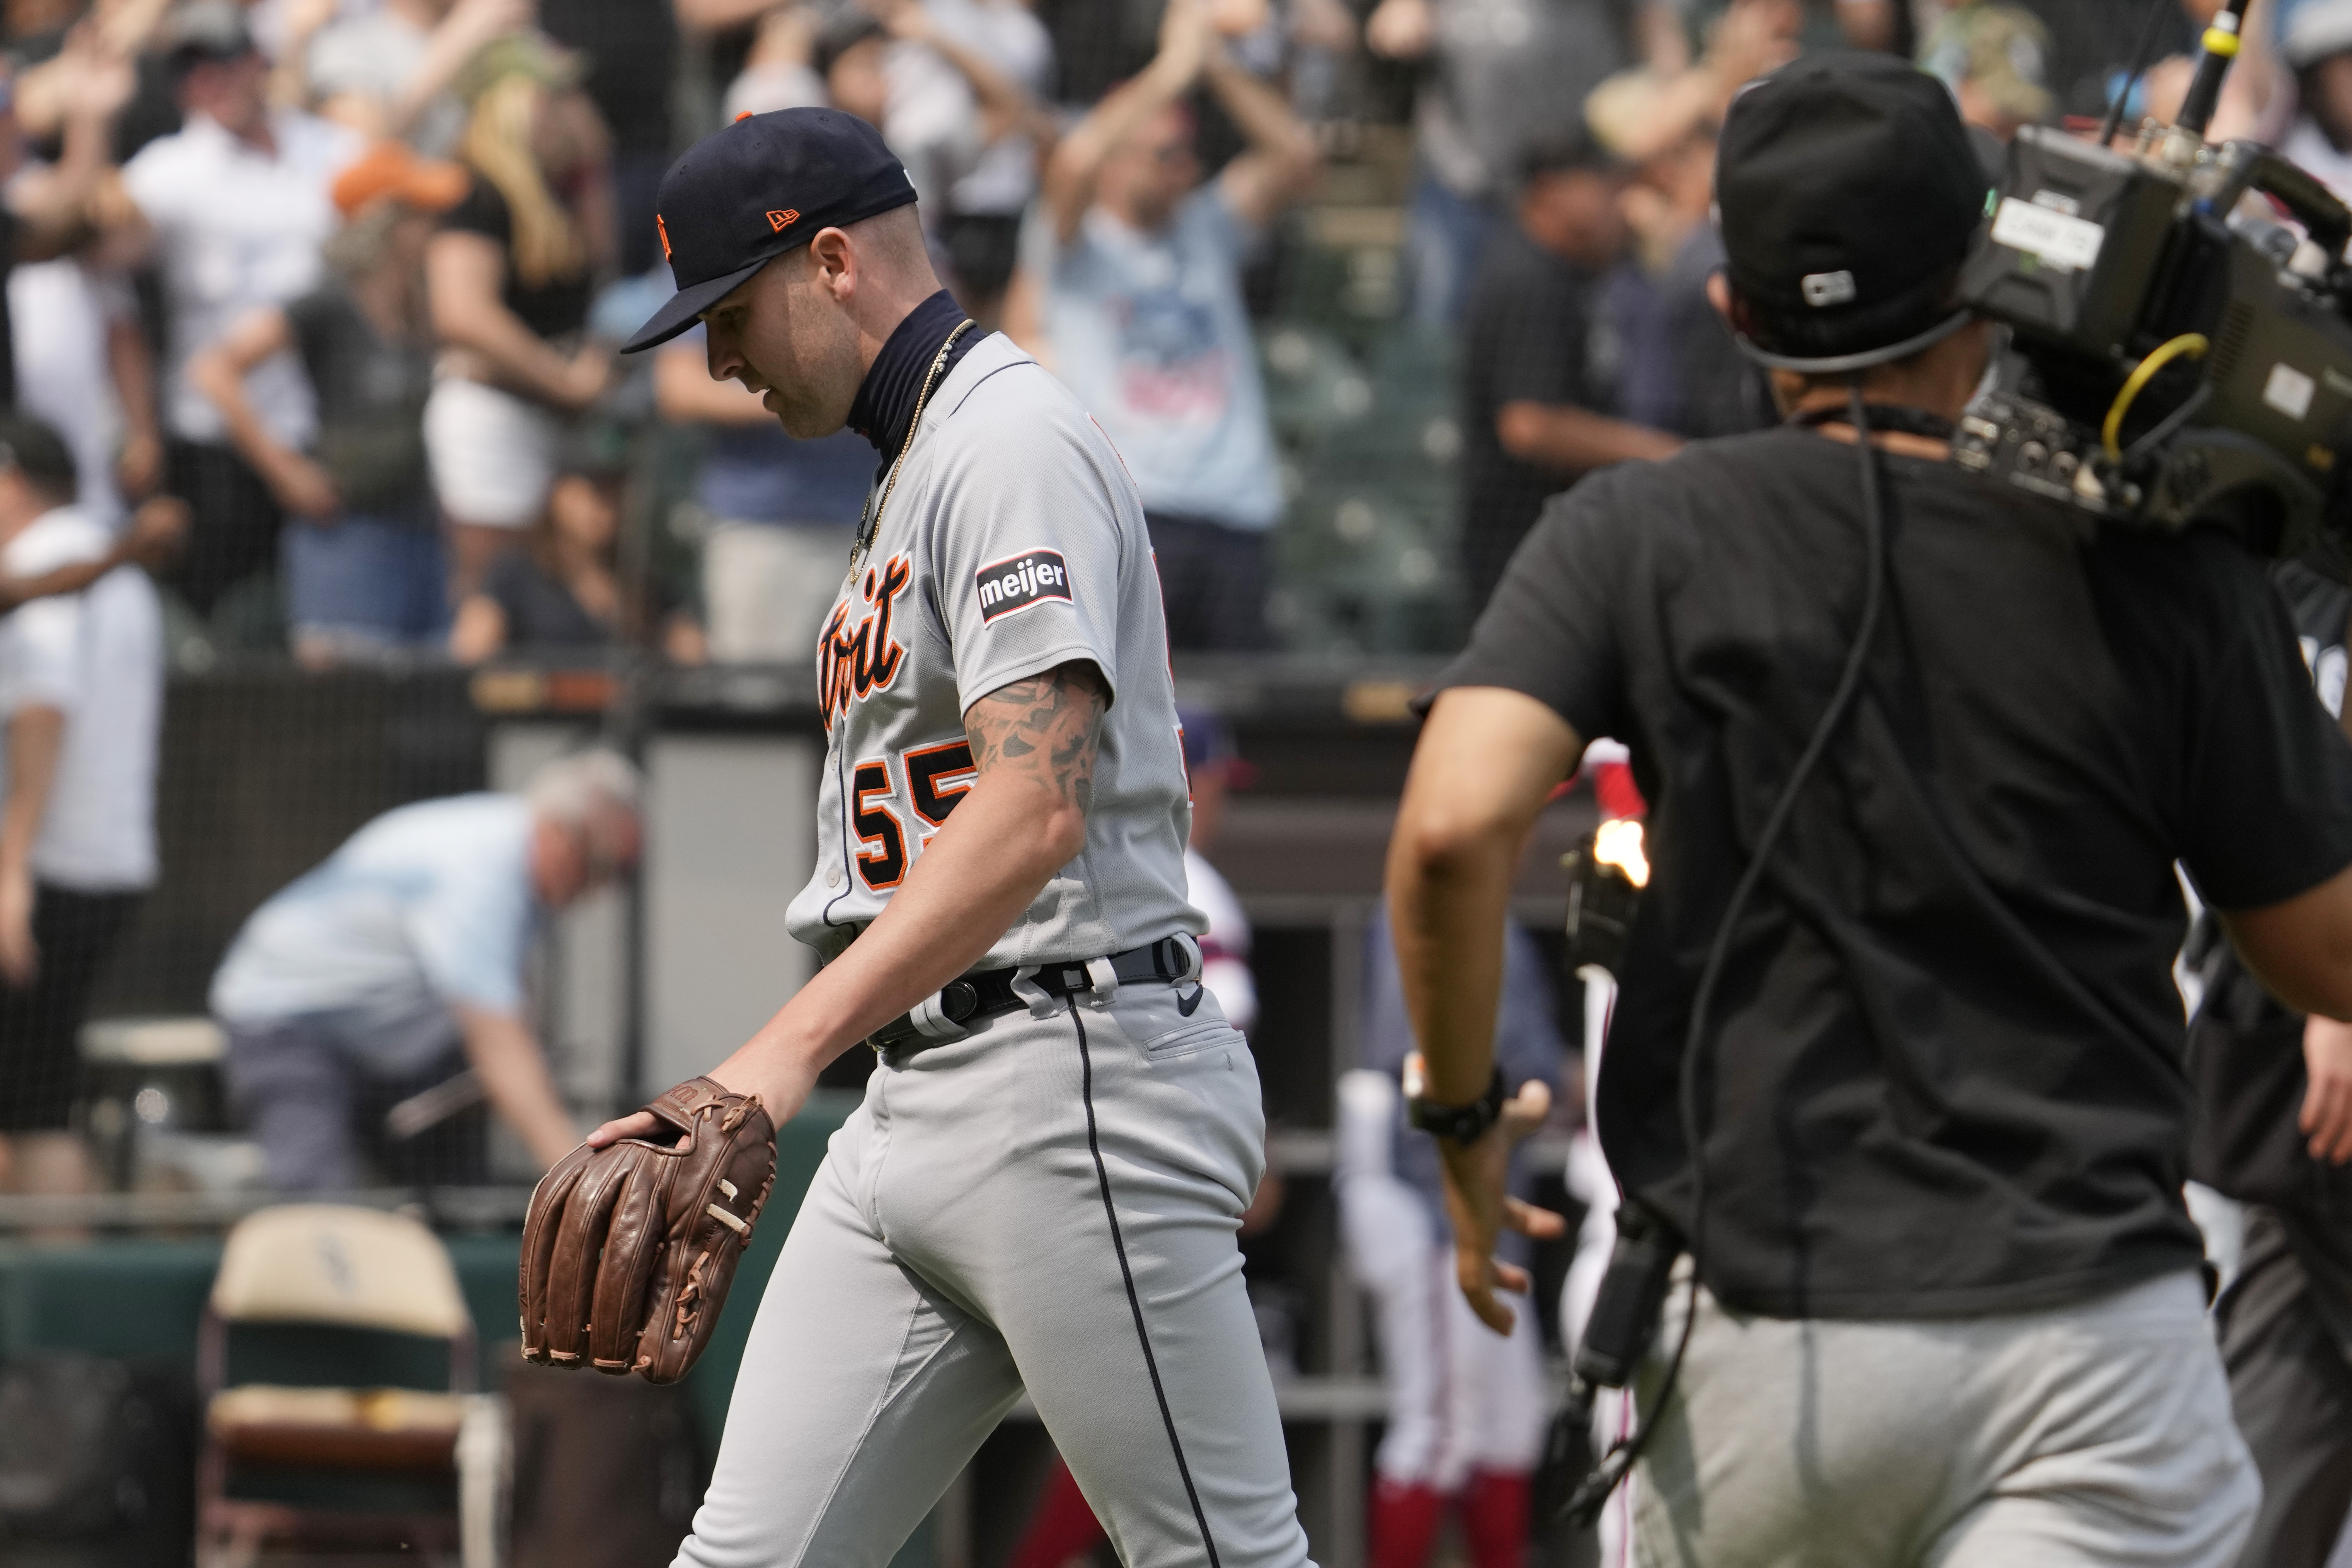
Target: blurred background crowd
(328,293)
(1353,285)
(330,290)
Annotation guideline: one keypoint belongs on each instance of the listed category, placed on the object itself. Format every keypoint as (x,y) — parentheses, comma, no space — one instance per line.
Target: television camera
(2184,316)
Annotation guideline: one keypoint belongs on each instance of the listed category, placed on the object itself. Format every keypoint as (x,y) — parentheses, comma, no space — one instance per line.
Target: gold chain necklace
(869,523)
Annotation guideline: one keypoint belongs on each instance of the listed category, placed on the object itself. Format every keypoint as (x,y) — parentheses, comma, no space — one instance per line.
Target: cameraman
(1953,1311)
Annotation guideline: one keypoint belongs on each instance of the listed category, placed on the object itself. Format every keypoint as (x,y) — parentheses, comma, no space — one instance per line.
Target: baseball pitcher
(1041,1189)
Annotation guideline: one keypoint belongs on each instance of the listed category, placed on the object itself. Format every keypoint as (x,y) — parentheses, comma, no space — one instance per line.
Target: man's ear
(833,257)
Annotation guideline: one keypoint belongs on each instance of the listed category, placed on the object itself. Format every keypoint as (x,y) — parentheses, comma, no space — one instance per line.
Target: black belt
(948,1013)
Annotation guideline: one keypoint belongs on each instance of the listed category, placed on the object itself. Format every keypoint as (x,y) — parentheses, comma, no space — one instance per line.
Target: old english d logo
(777,220)
(663,229)
(854,663)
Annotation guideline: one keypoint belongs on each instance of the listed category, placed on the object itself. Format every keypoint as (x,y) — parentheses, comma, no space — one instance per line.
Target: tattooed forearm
(1048,725)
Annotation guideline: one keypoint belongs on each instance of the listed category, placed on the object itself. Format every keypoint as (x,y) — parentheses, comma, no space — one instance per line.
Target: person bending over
(396,965)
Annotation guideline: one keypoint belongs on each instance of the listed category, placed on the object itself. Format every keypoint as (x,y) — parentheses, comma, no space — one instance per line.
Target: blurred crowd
(330,291)
(344,277)
(313,305)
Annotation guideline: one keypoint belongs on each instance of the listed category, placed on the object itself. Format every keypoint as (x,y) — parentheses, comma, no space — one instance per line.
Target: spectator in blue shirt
(398,964)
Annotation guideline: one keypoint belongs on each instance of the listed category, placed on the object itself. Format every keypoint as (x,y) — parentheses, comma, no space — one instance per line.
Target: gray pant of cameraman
(2096,1434)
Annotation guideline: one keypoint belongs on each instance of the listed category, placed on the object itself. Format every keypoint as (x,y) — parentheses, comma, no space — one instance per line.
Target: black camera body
(2184,363)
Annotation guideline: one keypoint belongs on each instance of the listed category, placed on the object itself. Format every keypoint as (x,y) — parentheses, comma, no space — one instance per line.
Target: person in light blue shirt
(1130,288)
(397,963)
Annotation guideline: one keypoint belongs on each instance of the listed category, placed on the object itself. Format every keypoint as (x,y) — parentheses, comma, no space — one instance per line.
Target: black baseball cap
(742,197)
(1848,193)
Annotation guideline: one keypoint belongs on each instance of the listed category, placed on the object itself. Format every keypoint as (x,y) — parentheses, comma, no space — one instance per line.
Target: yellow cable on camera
(2192,345)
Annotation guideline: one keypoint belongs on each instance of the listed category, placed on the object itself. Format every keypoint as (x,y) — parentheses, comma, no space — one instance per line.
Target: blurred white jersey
(1225,945)
(1461,1398)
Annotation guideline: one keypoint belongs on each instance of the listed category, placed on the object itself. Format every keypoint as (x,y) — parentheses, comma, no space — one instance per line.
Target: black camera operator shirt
(1945,1061)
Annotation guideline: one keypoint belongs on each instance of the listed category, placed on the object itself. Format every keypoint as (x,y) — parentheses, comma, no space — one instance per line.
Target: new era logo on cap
(777,220)
(1020,580)
(1822,289)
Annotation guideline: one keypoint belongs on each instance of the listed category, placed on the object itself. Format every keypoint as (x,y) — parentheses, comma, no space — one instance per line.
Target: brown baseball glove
(629,1248)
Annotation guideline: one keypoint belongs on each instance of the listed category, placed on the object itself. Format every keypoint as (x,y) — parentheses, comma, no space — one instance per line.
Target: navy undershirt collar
(884,409)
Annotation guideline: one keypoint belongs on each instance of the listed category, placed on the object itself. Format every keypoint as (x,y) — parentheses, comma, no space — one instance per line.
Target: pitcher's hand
(782,1081)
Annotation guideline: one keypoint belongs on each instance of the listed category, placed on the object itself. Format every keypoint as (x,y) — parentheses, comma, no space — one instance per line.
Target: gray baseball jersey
(1081,1248)
(1013,542)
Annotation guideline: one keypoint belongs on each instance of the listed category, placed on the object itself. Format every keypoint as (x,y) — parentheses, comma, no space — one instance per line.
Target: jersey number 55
(937,778)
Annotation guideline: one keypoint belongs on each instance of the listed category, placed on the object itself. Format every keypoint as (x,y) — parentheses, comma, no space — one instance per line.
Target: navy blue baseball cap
(742,197)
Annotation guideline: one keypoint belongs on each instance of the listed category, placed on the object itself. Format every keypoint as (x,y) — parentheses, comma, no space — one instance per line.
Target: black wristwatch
(1459,1124)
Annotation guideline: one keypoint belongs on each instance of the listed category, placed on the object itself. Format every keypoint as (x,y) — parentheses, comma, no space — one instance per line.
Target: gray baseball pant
(2096,1434)
(1051,1205)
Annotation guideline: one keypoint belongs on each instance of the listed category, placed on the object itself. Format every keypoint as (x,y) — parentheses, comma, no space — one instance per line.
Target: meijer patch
(1020,581)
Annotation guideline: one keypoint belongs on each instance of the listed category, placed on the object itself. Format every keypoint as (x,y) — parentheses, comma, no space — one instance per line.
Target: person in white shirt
(82,695)
(74,354)
(988,63)
(83,366)
(2315,45)
(234,209)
